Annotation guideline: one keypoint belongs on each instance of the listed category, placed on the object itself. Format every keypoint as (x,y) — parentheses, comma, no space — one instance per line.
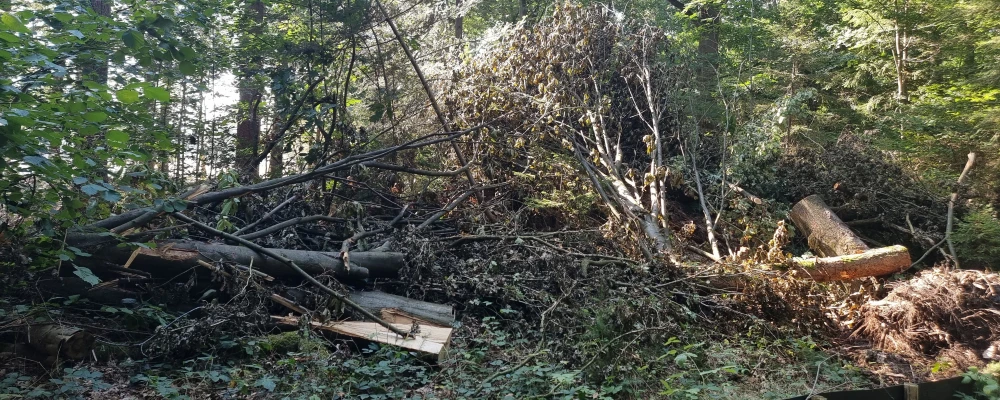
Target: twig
(268,215)
(454,203)
(345,247)
(255,247)
(294,221)
(951,206)
(704,253)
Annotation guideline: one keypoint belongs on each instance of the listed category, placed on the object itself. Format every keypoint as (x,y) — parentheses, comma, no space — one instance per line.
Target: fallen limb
(200,196)
(343,299)
(171,257)
(376,301)
(843,255)
(876,262)
(266,216)
(61,341)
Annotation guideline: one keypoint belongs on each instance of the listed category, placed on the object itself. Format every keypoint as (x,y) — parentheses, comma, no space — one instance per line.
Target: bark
(176,257)
(248,128)
(61,341)
(877,262)
(824,231)
(428,339)
(376,301)
(843,255)
(97,68)
(459,20)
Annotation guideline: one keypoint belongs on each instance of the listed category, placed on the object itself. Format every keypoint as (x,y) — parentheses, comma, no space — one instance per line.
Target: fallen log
(428,339)
(843,255)
(824,231)
(177,256)
(376,301)
(61,341)
(875,262)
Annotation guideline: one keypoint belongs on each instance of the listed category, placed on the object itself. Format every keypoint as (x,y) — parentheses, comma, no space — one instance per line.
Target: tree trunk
(440,314)
(61,341)
(176,257)
(97,68)
(248,128)
(459,20)
(877,262)
(824,231)
(844,255)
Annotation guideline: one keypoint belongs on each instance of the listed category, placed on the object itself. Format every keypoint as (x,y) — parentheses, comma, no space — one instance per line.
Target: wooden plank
(429,339)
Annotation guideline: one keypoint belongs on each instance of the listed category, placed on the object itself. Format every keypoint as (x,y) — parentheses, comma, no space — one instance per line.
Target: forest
(498,199)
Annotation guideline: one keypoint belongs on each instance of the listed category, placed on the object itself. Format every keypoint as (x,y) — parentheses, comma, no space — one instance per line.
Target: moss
(294,342)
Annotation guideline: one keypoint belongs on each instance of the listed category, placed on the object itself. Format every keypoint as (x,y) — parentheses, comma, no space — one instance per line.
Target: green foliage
(977,237)
(987,382)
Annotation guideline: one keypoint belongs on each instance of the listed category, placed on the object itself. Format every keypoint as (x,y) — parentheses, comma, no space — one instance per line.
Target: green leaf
(111,196)
(95,116)
(13,23)
(133,39)
(188,53)
(80,180)
(127,96)
(155,93)
(64,17)
(8,37)
(92,189)
(116,139)
(87,275)
(36,160)
(187,68)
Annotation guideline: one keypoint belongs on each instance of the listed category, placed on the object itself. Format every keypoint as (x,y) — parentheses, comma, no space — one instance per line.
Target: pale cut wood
(430,339)
(824,231)
(876,262)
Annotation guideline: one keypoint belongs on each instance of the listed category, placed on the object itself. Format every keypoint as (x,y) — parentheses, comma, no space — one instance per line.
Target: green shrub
(977,237)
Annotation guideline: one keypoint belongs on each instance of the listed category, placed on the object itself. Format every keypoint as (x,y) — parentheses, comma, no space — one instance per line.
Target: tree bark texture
(376,301)
(248,127)
(61,341)
(175,257)
(824,231)
(876,262)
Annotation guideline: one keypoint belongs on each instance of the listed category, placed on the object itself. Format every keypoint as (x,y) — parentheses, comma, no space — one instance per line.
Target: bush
(977,237)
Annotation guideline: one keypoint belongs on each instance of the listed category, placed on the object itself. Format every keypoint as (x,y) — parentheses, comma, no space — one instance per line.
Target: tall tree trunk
(275,162)
(97,69)
(900,51)
(248,128)
(459,20)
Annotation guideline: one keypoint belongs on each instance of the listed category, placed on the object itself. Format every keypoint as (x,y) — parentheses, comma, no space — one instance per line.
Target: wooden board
(430,339)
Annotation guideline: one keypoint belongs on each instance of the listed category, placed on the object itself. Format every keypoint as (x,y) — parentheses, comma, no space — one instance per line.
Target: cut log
(61,341)
(173,257)
(376,301)
(428,339)
(824,231)
(876,262)
(843,255)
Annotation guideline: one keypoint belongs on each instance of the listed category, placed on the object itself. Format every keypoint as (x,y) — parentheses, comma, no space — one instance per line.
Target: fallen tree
(843,255)
(176,256)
